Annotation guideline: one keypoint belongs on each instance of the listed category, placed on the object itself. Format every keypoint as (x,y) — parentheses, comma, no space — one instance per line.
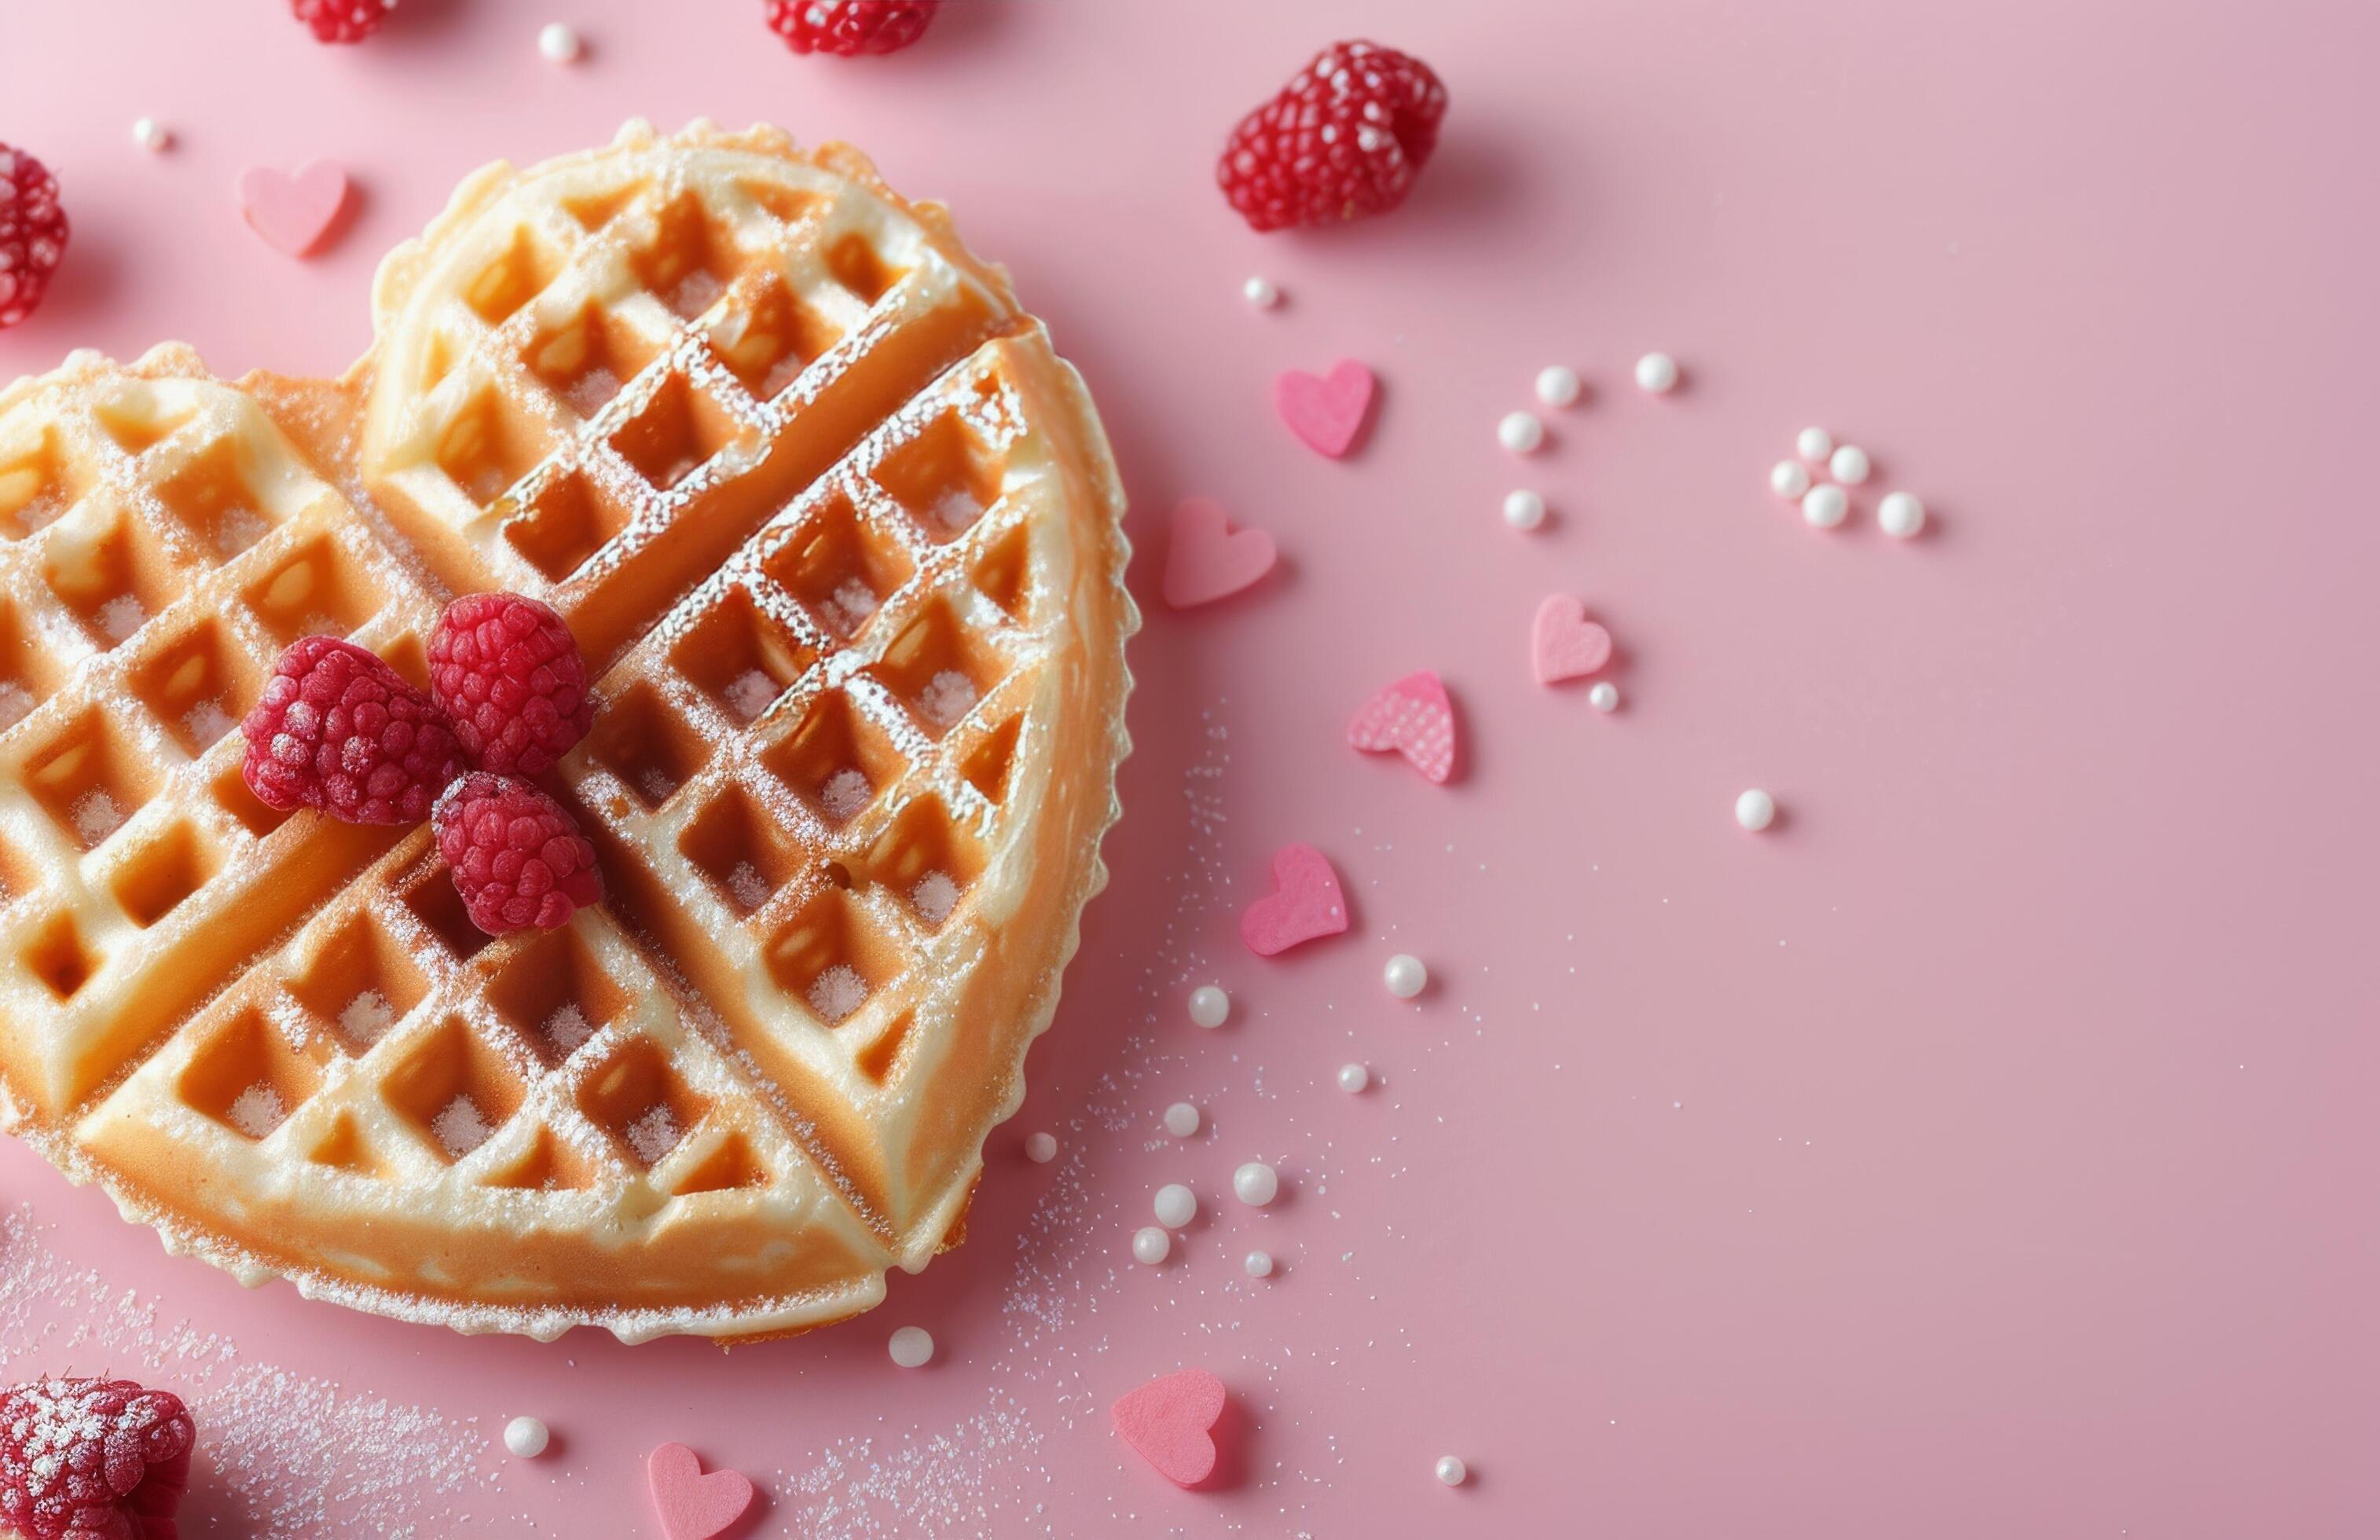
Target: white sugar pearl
(1604,697)
(1353,1077)
(150,134)
(1813,445)
(1452,1471)
(558,42)
(1256,1183)
(1523,509)
(1789,478)
(1176,1206)
(1260,292)
(1521,432)
(1900,515)
(1756,809)
(1258,1263)
(1405,975)
(527,1438)
(1848,465)
(1042,1148)
(1150,1245)
(1182,1119)
(1656,372)
(1210,1006)
(1826,506)
(912,1347)
(1558,385)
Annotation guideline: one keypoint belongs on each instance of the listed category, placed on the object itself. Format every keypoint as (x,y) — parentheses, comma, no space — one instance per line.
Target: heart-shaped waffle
(839,535)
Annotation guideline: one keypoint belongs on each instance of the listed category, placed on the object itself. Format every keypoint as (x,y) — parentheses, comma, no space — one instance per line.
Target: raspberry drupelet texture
(506,672)
(850,27)
(92,1459)
(1342,141)
(518,855)
(338,730)
(32,234)
(342,21)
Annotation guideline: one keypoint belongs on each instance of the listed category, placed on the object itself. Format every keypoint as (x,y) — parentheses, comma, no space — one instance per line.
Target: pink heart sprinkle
(1413,717)
(1564,644)
(293,213)
(1305,903)
(1168,1423)
(694,1506)
(1208,559)
(1327,412)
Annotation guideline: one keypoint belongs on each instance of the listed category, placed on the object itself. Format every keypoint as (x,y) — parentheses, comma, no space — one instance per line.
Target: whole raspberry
(850,27)
(92,1459)
(342,21)
(518,855)
(336,729)
(32,233)
(506,672)
(1341,140)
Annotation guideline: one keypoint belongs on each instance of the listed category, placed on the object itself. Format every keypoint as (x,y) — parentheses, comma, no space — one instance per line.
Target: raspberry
(518,858)
(336,729)
(342,21)
(92,1459)
(506,670)
(849,27)
(32,234)
(1341,140)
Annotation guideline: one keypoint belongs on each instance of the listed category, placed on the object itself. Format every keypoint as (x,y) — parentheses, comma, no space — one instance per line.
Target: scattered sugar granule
(15,703)
(658,785)
(208,721)
(837,992)
(96,817)
(238,530)
(257,1112)
(122,615)
(956,509)
(750,693)
(946,697)
(366,1017)
(567,1028)
(654,1134)
(846,792)
(935,896)
(592,391)
(460,1127)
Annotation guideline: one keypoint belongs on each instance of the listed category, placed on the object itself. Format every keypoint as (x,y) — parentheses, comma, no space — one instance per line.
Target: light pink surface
(1984,1151)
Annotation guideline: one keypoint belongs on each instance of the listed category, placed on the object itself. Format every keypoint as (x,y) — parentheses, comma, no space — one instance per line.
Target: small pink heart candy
(293,213)
(1413,717)
(1305,903)
(694,1506)
(1564,644)
(1169,1423)
(1208,559)
(1327,412)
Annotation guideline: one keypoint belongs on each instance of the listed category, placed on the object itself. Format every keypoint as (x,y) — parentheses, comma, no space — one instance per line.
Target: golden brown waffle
(839,532)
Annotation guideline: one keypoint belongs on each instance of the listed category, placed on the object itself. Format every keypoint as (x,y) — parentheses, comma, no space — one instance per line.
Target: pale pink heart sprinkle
(292,212)
(1325,412)
(1306,904)
(694,1504)
(1168,1422)
(1564,644)
(1208,560)
(1413,717)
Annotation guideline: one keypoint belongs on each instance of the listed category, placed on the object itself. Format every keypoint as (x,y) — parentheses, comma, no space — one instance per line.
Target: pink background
(1985,1151)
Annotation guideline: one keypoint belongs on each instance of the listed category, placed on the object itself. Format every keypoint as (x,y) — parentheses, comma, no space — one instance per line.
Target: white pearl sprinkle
(1789,478)
(1452,1471)
(1176,1206)
(150,134)
(1558,385)
(1354,1078)
(1210,1006)
(1848,465)
(1255,1183)
(1258,1263)
(1604,697)
(1826,506)
(527,1438)
(1521,432)
(1042,1148)
(1813,445)
(1261,292)
(912,1347)
(1405,975)
(1756,809)
(1900,515)
(1656,372)
(1523,509)
(1182,1119)
(1150,1245)
(558,42)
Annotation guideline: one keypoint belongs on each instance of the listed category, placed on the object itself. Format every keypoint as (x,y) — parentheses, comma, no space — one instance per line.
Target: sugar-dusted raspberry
(518,855)
(850,26)
(336,729)
(506,672)
(1341,140)
(32,233)
(92,1459)
(342,21)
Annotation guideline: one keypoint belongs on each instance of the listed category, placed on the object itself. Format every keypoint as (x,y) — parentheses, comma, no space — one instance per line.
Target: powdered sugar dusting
(15,703)
(460,1127)
(749,888)
(567,1028)
(207,722)
(257,1112)
(654,1134)
(96,817)
(837,992)
(936,895)
(122,615)
(947,697)
(848,608)
(236,530)
(592,391)
(366,1017)
(846,792)
(751,693)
